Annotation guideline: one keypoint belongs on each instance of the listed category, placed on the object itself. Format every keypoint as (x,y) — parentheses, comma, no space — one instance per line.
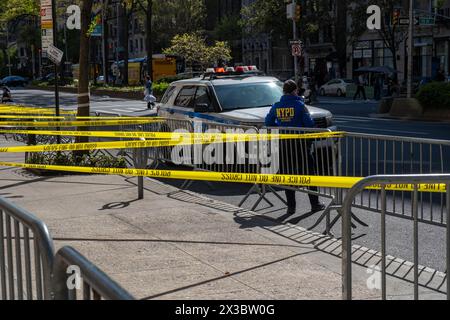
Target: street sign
(46,25)
(296,50)
(290,11)
(403,21)
(54,54)
(426,21)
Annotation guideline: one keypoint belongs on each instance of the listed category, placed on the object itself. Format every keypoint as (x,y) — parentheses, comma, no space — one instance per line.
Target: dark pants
(296,159)
(360,90)
(292,202)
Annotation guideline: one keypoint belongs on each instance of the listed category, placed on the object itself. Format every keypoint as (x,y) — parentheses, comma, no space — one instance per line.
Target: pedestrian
(291,111)
(377,86)
(360,88)
(148,92)
(440,76)
(6,95)
(313,88)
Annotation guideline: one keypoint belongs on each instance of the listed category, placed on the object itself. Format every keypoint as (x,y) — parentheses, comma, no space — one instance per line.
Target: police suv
(240,97)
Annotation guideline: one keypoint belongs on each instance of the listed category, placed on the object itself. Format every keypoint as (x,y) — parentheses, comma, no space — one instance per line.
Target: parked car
(47,78)
(243,99)
(335,87)
(101,79)
(14,81)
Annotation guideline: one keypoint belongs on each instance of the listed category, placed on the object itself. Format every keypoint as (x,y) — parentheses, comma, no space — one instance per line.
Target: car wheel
(339,93)
(322,92)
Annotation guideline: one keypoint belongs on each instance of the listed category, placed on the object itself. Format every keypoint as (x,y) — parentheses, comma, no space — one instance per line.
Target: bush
(70,159)
(160,88)
(435,95)
(168,79)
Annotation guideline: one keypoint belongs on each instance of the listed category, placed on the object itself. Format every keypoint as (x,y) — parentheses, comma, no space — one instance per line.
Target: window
(142,44)
(202,96)
(168,94)
(185,97)
(136,43)
(244,96)
(131,45)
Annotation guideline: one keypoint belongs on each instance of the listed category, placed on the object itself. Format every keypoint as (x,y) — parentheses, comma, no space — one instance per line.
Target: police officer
(291,112)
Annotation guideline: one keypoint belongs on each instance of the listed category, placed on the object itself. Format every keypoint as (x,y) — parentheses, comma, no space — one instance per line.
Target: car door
(329,87)
(167,102)
(183,106)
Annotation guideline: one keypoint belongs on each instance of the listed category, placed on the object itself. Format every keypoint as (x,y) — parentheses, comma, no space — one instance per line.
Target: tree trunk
(149,38)
(341,35)
(105,41)
(123,39)
(83,81)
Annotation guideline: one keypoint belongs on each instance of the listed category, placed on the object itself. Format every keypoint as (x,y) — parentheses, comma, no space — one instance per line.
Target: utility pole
(411,48)
(105,41)
(55,41)
(295,35)
(7,48)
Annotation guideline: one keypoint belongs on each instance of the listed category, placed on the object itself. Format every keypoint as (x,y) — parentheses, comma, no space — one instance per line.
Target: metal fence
(26,255)
(363,155)
(87,281)
(352,194)
(29,269)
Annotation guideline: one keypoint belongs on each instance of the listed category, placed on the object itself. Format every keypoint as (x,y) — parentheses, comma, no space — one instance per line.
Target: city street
(350,116)
(101,104)
(359,116)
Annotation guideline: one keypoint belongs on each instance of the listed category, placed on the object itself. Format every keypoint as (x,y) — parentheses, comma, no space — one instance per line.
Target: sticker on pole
(296,50)
(54,54)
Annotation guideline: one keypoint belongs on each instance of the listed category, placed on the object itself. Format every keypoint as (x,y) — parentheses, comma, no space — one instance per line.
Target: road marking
(122,110)
(345,119)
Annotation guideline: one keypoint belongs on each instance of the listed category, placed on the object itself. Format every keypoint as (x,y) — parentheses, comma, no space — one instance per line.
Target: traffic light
(396,17)
(298,12)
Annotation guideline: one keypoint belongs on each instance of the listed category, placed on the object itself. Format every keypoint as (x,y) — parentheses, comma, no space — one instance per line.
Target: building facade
(431,44)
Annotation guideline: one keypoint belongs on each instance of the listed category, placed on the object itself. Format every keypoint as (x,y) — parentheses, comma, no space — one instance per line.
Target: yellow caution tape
(31,117)
(76,123)
(167,140)
(94,146)
(226,137)
(70,118)
(266,179)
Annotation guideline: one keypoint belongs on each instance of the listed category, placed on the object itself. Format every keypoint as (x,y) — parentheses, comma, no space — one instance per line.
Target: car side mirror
(201,108)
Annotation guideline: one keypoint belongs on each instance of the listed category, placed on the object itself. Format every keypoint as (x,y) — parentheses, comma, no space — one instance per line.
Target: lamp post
(411,48)
(295,35)
(55,38)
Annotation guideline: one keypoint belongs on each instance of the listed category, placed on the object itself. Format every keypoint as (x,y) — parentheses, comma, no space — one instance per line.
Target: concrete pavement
(181,245)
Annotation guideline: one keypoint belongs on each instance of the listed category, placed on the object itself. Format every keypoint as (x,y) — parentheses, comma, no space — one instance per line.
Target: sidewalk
(179,245)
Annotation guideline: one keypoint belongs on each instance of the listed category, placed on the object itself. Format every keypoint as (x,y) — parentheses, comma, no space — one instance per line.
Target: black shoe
(291,211)
(317,207)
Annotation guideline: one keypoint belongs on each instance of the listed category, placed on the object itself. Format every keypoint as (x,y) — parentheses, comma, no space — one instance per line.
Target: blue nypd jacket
(289,112)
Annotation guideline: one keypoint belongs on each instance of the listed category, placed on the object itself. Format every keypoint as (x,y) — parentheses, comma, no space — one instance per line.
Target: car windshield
(252,95)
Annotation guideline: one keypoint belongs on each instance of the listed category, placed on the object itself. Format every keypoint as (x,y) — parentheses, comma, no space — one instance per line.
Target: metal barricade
(86,277)
(363,155)
(230,156)
(26,255)
(316,156)
(415,180)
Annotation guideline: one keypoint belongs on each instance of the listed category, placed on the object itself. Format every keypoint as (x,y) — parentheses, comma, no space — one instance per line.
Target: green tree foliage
(228,29)
(172,17)
(269,16)
(193,48)
(11,9)
(265,16)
